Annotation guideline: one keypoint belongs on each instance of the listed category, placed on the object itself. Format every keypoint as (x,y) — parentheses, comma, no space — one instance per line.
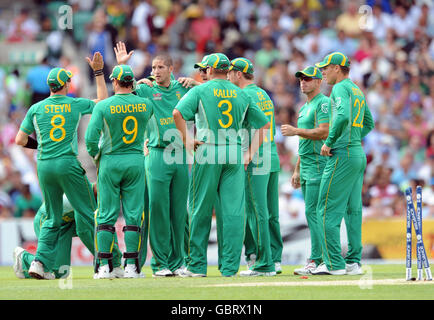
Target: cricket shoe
(49,276)
(253,273)
(187,273)
(278,267)
(163,273)
(36,270)
(323,270)
(178,271)
(18,262)
(251,261)
(104,273)
(353,269)
(304,271)
(118,272)
(131,272)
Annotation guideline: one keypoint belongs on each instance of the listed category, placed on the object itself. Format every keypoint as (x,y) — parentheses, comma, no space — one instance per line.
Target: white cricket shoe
(251,261)
(178,271)
(353,269)
(163,273)
(278,267)
(304,271)
(49,276)
(36,270)
(118,272)
(323,270)
(18,262)
(253,273)
(104,273)
(187,273)
(131,272)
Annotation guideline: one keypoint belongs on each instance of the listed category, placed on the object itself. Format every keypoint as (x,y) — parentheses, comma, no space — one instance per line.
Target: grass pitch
(380,282)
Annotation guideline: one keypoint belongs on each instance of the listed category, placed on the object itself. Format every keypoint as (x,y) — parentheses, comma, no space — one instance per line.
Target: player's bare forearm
(319,133)
(258,139)
(21,138)
(101,89)
(297,165)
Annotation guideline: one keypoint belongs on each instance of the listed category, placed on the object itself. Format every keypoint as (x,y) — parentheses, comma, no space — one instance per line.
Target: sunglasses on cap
(203,69)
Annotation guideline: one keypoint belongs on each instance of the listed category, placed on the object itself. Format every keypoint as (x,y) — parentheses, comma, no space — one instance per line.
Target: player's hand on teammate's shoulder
(187,82)
(97,62)
(145,81)
(247,159)
(288,130)
(122,56)
(325,151)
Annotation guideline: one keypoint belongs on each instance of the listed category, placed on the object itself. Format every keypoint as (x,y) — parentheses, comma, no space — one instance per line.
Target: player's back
(222,110)
(124,118)
(55,120)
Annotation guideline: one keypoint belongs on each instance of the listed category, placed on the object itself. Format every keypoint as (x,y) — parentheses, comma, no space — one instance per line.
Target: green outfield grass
(379,282)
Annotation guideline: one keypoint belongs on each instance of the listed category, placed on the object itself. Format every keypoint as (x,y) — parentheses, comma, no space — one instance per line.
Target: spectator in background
(329,13)
(37,81)
(349,21)
(346,45)
(406,171)
(100,40)
(205,30)
(267,54)
(23,28)
(141,22)
(381,23)
(401,22)
(383,194)
(26,204)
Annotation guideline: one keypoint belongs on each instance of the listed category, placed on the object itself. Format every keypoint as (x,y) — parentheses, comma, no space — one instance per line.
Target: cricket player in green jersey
(121,121)
(340,193)
(220,110)
(262,181)
(166,166)
(55,120)
(73,225)
(312,129)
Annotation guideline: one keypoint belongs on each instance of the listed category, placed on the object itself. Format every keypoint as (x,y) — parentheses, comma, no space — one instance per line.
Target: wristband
(31,143)
(97,73)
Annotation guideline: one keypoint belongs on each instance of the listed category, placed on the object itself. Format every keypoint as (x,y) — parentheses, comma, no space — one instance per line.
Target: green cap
(337,58)
(201,64)
(311,72)
(122,73)
(242,64)
(218,61)
(58,77)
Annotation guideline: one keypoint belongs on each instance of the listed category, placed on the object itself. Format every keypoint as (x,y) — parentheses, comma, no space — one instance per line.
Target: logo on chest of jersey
(157,96)
(178,95)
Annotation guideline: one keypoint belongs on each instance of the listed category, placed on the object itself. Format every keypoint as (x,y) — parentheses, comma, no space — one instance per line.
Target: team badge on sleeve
(324,107)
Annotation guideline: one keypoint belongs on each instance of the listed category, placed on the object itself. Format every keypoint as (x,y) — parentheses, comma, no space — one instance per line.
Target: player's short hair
(167,59)
(220,71)
(248,76)
(126,84)
(345,70)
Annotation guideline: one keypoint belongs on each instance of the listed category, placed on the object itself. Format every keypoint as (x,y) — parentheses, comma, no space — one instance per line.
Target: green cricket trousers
(340,196)
(168,193)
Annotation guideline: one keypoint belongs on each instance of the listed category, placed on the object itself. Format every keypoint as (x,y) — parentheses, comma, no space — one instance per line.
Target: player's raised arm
(97,65)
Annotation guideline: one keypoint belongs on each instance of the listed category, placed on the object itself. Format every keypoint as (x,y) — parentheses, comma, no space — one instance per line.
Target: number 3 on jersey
(227,113)
(129,132)
(361,105)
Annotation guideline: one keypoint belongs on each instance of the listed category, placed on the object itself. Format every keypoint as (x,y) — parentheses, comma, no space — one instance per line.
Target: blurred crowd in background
(390,45)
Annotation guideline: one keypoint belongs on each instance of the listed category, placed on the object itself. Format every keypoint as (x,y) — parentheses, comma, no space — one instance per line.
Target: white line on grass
(323,283)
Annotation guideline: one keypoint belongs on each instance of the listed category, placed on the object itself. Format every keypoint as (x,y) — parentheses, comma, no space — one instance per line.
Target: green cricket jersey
(55,120)
(165,100)
(220,109)
(122,120)
(310,116)
(350,119)
(263,101)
